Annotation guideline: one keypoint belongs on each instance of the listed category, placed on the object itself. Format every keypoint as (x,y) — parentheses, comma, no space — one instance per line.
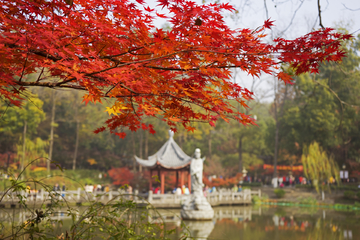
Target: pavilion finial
(171,134)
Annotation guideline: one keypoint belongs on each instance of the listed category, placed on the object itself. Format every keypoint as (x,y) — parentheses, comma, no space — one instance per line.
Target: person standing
(63,190)
(56,187)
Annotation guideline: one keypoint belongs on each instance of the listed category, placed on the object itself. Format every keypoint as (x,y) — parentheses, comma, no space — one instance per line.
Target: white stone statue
(196,171)
(196,207)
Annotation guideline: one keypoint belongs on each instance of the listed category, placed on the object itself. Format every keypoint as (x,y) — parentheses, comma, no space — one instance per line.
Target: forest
(322,108)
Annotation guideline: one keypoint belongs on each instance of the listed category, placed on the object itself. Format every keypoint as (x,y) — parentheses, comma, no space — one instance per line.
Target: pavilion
(170,157)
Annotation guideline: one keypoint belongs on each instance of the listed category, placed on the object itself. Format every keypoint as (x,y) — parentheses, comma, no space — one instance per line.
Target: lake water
(280,223)
(256,223)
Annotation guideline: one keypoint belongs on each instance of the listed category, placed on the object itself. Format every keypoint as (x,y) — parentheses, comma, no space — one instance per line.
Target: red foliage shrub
(121,176)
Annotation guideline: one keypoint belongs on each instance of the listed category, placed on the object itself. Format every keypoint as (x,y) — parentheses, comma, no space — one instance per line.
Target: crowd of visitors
(96,188)
(284,180)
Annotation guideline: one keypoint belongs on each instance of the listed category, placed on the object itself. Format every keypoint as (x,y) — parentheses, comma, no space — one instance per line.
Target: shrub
(255,199)
(264,197)
(253,184)
(349,194)
(308,201)
(279,193)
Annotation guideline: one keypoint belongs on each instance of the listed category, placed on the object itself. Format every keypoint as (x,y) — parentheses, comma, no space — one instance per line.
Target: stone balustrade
(221,197)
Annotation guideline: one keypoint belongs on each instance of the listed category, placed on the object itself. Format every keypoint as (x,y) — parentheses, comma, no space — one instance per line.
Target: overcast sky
(302,15)
(293,18)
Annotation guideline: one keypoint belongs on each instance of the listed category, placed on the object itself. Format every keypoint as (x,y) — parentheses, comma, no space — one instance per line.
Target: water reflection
(276,223)
(255,223)
(200,229)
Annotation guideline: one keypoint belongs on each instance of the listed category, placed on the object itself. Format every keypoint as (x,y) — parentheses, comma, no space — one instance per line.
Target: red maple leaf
(268,23)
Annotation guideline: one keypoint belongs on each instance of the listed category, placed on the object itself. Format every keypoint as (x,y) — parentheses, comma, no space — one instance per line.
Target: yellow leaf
(110,111)
(91,161)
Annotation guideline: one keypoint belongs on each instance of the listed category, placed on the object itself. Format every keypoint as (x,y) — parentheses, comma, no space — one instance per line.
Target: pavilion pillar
(177,179)
(150,181)
(158,175)
(162,176)
(189,181)
(182,178)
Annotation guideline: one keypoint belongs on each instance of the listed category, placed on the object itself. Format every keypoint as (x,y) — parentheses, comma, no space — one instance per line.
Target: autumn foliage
(222,182)
(121,176)
(111,50)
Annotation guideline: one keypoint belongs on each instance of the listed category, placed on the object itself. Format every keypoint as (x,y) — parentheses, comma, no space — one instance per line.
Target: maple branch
(133,107)
(121,85)
(192,101)
(23,70)
(36,52)
(47,84)
(194,69)
(42,70)
(110,57)
(319,10)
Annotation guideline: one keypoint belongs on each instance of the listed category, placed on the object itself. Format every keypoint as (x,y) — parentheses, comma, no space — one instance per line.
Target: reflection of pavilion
(170,157)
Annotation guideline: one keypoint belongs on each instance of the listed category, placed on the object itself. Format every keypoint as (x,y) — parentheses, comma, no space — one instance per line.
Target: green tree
(318,166)
(325,108)
(23,120)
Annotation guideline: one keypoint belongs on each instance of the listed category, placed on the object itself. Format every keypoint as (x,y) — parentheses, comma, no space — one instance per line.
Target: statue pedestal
(197,208)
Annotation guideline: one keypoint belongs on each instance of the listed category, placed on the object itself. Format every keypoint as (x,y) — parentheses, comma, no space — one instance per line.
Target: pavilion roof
(170,156)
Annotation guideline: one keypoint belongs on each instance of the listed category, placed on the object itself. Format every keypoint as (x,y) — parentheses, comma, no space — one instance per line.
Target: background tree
(324,108)
(318,167)
(20,123)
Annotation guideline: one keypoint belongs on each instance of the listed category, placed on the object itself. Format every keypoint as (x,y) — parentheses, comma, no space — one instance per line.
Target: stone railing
(70,195)
(220,197)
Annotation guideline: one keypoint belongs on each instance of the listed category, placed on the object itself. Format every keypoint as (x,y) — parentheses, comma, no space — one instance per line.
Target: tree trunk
(180,140)
(76,144)
(209,144)
(276,148)
(24,146)
(141,134)
(77,131)
(134,151)
(240,154)
(52,123)
(277,125)
(146,145)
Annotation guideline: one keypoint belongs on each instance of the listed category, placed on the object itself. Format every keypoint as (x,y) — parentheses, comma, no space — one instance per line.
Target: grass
(72,179)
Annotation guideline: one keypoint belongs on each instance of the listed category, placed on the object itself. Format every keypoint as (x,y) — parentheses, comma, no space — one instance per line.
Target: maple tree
(121,176)
(111,49)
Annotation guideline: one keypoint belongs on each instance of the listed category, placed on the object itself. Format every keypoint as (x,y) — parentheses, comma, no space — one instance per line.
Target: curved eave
(146,163)
(172,167)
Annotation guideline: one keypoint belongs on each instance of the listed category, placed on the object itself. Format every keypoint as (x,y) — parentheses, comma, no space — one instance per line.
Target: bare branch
(292,19)
(350,8)
(319,10)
